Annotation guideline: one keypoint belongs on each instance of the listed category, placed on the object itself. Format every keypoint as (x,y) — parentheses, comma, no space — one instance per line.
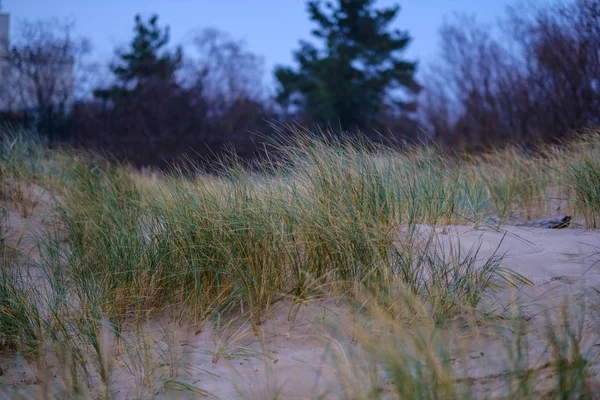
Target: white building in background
(4,43)
(18,91)
(4,26)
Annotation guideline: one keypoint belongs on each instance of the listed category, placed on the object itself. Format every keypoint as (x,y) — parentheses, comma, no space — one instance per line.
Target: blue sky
(271,28)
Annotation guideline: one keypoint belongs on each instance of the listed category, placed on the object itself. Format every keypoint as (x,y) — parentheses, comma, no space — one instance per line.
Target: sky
(270,28)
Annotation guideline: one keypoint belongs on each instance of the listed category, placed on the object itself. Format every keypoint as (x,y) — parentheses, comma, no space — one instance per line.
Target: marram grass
(333,219)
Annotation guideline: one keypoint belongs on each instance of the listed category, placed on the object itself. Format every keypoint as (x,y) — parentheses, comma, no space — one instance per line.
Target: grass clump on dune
(585,184)
(334,218)
(236,242)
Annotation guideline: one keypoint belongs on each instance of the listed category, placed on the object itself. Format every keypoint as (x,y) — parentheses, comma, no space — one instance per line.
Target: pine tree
(146,62)
(349,79)
(146,102)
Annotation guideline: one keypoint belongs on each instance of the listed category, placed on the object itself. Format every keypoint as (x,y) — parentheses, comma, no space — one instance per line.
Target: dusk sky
(271,28)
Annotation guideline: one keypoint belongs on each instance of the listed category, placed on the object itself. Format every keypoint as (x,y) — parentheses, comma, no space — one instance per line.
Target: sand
(292,356)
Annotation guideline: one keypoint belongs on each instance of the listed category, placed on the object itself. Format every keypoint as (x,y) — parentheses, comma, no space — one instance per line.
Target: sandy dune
(292,355)
(563,265)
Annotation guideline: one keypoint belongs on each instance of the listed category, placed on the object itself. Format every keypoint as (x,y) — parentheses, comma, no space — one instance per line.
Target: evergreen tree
(350,79)
(146,103)
(146,62)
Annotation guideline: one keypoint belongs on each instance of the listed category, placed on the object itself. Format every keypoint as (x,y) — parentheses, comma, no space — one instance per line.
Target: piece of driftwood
(556,222)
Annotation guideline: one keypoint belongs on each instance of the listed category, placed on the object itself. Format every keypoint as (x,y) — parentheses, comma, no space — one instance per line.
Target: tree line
(533,76)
